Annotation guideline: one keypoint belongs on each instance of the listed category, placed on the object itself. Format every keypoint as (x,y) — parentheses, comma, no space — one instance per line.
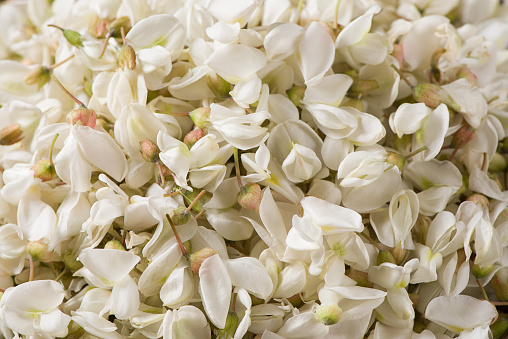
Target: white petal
(460,312)
(250,274)
(236,62)
(314,65)
(112,265)
(102,151)
(215,290)
(125,298)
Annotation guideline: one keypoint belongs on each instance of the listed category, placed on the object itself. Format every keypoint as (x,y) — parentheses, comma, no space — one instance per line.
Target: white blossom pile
(253,169)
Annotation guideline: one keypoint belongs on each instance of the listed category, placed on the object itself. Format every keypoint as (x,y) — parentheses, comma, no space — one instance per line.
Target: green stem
(60,63)
(237,168)
(76,100)
(336,16)
(412,154)
(51,149)
(482,289)
(402,76)
(180,243)
(195,201)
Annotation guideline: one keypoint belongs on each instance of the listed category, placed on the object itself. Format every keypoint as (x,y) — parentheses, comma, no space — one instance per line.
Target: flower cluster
(253,169)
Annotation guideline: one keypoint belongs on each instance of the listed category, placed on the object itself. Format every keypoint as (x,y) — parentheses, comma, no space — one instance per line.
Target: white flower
(31,309)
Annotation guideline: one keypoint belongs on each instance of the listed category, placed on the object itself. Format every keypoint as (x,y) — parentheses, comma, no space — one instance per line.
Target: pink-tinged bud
(398,53)
(70,262)
(296,300)
(10,135)
(87,117)
(396,160)
(249,196)
(127,58)
(296,94)
(193,136)
(101,29)
(329,314)
(44,170)
(385,256)
(362,86)
(466,73)
(354,103)
(497,164)
(481,272)
(429,94)
(219,86)
(114,245)
(399,253)
(198,257)
(499,284)
(39,251)
(39,76)
(478,198)
(361,278)
(180,216)
(149,150)
(200,117)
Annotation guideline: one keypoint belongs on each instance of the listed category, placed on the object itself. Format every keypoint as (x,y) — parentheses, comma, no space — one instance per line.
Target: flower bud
(197,258)
(499,284)
(296,300)
(363,86)
(149,150)
(38,76)
(429,94)
(193,136)
(466,73)
(180,216)
(86,116)
(115,28)
(200,117)
(399,253)
(478,198)
(354,103)
(481,272)
(249,196)
(219,86)
(101,28)
(296,94)
(385,256)
(73,37)
(70,262)
(499,328)
(498,163)
(396,160)
(11,134)
(328,314)
(44,170)
(114,245)
(38,251)
(127,58)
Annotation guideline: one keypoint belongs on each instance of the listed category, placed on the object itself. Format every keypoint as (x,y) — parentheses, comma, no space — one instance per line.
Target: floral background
(253,169)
